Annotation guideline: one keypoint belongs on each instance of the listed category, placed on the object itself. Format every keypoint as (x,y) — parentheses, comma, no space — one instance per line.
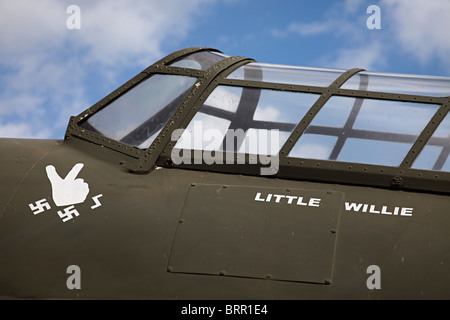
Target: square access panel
(257,232)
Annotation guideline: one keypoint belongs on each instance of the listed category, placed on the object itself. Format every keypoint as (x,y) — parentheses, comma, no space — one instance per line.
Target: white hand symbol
(69,190)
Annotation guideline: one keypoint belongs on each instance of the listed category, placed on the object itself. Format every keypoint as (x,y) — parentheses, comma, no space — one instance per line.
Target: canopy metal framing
(159,152)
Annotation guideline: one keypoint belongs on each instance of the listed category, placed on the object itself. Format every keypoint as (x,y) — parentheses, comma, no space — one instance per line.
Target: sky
(56,61)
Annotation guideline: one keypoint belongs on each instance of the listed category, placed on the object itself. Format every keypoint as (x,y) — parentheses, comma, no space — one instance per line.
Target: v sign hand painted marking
(67,191)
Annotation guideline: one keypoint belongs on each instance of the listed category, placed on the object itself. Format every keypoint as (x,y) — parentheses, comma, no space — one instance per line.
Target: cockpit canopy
(390,124)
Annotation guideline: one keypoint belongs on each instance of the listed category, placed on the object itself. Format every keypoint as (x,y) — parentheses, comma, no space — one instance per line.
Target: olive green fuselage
(186,234)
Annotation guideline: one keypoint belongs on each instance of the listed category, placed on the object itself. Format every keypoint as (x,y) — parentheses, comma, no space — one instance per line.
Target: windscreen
(136,117)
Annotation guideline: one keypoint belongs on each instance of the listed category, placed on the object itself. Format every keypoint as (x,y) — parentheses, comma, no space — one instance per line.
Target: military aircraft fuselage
(109,212)
(186,234)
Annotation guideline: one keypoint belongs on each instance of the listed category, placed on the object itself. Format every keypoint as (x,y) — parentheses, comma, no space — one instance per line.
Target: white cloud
(30,26)
(416,29)
(420,27)
(304,29)
(353,6)
(14,130)
(369,57)
(47,70)
(340,18)
(114,30)
(268,113)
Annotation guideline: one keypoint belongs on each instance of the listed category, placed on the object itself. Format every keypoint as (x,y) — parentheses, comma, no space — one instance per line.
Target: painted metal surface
(139,226)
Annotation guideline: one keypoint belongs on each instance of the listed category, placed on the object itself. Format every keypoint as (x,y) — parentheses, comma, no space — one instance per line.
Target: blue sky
(49,72)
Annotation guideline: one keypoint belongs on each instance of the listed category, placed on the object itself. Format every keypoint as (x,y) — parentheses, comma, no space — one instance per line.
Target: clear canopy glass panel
(202,60)
(286,74)
(359,130)
(435,154)
(246,120)
(136,117)
(399,83)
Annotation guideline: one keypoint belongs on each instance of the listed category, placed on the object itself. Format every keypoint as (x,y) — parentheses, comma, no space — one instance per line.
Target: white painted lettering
(278,197)
(314,202)
(396,211)
(300,202)
(352,206)
(384,210)
(406,212)
(290,199)
(372,209)
(258,197)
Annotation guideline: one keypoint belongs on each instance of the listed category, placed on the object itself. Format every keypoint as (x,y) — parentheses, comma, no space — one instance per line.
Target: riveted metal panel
(250,231)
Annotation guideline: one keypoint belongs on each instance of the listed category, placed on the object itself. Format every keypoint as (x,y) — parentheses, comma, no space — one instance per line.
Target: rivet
(396,181)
